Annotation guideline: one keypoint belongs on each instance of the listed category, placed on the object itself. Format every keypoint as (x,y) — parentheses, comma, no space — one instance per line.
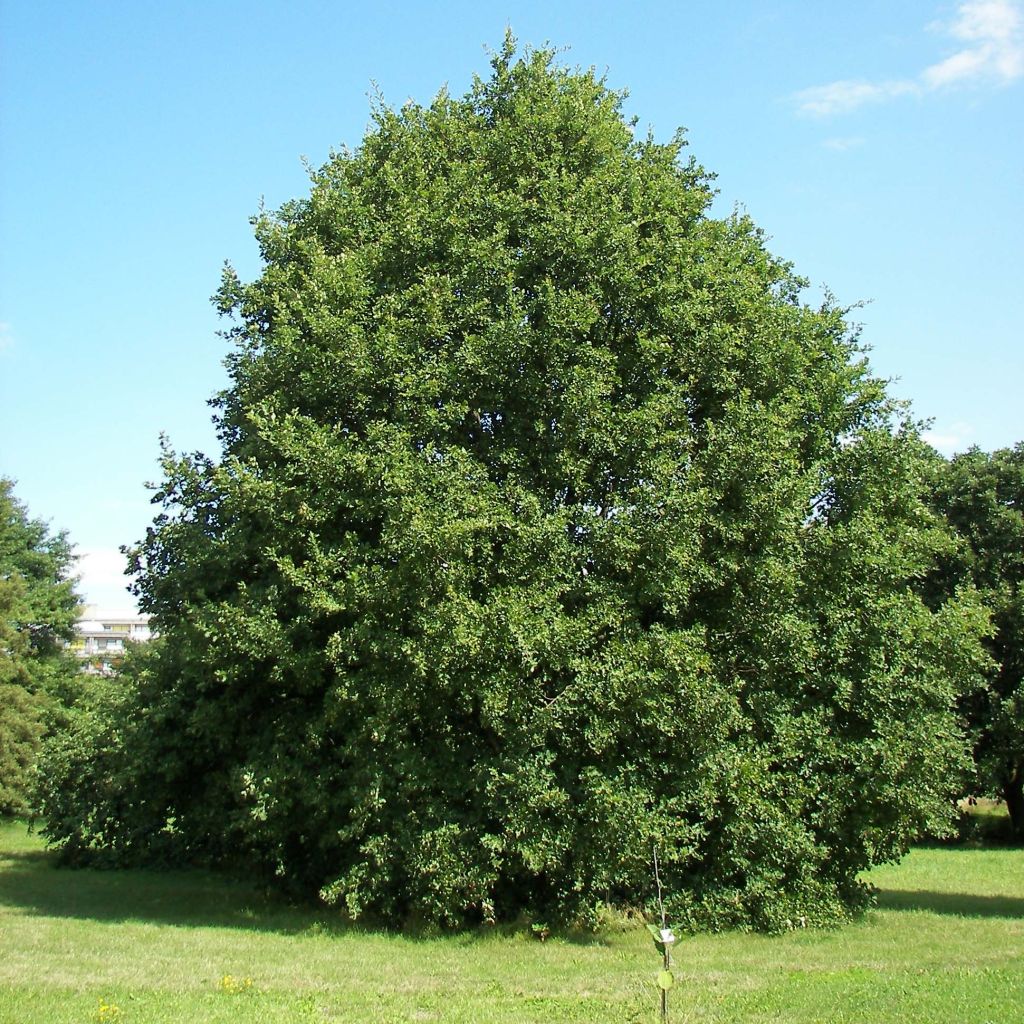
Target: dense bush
(550,526)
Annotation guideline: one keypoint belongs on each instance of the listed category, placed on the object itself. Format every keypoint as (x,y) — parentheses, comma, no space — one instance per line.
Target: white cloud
(956,438)
(102,580)
(992,28)
(985,21)
(6,337)
(994,53)
(961,66)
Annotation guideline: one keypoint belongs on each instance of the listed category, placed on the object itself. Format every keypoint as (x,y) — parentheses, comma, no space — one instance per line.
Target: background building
(101,638)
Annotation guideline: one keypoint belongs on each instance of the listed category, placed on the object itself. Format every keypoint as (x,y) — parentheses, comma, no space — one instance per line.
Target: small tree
(38,608)
(549,525)
(982,496)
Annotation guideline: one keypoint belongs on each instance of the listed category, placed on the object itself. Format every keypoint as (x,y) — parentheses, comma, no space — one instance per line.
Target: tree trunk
(1013,794)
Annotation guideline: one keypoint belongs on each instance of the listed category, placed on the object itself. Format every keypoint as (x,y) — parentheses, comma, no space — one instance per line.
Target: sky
(880,146)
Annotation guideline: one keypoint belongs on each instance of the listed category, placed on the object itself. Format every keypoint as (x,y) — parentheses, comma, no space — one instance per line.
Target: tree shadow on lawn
(955,904)
(32,882)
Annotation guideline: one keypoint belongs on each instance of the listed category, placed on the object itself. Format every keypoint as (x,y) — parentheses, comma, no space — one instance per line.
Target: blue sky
(880,146)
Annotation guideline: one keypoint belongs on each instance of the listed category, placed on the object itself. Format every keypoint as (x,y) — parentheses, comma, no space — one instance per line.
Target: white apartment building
(100,638)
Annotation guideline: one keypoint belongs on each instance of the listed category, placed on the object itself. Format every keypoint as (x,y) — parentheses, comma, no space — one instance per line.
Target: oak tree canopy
(550,525)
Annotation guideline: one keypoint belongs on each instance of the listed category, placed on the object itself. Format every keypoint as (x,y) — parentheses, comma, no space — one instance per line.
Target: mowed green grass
(945,944)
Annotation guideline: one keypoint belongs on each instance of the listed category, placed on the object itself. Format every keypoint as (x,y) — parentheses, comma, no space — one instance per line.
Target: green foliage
(38,608)
(100,748)
(982,496)
(550,526)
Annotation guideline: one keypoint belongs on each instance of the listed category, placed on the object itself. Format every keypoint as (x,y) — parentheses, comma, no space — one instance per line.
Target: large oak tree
(550,525)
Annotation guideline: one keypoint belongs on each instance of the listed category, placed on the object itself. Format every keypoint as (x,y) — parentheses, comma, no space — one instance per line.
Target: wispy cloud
(994,50)
(956,438)
(840,97)
(841,145)
(6,337)
(991,50)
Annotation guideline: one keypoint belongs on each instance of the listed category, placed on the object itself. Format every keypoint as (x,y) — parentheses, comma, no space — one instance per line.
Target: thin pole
(667,956)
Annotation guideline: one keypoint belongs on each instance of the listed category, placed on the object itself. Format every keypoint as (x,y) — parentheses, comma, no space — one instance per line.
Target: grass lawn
(945,944)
